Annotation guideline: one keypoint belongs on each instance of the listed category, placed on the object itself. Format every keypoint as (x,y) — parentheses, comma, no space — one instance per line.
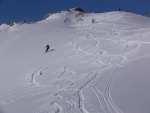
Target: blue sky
(34,10)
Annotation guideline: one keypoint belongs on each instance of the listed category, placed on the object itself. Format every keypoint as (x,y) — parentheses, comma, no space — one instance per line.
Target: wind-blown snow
(91,67)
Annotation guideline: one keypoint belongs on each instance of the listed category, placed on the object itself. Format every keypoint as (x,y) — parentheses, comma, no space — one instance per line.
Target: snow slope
(92,67)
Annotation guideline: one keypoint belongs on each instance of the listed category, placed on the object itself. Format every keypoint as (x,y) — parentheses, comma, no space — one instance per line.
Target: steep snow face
(97,63)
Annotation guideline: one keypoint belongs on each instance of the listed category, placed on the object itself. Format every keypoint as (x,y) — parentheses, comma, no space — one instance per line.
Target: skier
(47,48)
(119,9)
(145,14)
(93,20)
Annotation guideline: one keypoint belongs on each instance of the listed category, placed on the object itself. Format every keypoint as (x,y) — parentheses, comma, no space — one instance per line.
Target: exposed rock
(10,23)
(67,20)
(78,9)
(24,22)
(47,15)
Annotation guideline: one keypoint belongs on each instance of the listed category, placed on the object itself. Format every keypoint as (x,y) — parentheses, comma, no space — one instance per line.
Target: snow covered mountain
(97,63)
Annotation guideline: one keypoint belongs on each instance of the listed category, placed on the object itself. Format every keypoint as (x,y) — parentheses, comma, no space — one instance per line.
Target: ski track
(106,101)
(74,102)
(38,72)
(99,100)
(110,106)
(108,95)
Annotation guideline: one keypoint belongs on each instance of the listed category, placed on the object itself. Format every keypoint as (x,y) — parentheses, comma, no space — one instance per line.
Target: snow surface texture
(97,63)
